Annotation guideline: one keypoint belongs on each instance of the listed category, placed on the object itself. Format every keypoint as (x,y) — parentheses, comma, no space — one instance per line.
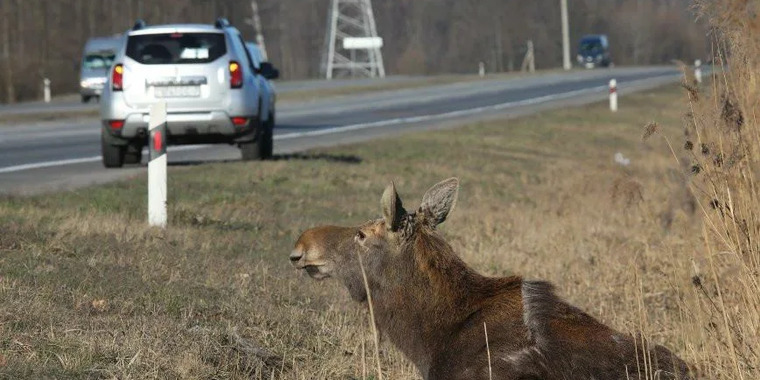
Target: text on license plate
(177,92)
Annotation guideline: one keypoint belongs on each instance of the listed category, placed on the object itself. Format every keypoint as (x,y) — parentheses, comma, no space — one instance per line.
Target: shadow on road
(343,158)
(340,158)
(198,162)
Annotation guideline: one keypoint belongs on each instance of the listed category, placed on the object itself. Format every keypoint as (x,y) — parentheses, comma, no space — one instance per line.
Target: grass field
(87,290)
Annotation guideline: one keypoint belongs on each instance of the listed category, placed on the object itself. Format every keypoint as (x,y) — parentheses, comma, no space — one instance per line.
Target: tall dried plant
(722,142)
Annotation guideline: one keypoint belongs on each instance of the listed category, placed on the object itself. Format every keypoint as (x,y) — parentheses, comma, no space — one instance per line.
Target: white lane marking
(49,164)
(40,165)
(354,127)
(439,116)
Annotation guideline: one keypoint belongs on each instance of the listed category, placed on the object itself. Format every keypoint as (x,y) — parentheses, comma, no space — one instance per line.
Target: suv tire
(269,136)
(133,154)
(113,155)
(251,150)
(259,149)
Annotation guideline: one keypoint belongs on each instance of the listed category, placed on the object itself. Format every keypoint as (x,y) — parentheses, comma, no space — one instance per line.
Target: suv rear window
(176,48)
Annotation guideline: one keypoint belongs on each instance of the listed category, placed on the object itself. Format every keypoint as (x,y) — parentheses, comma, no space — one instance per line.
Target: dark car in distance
(594,51)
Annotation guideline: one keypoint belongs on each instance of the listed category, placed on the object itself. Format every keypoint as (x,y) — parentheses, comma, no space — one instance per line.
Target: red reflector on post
(239,121)
(116,124)
(158,141)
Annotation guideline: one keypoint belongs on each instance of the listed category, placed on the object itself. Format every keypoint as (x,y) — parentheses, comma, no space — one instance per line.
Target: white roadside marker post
(613,96)
(481,69)
(46,89)
(698,71)
(157,166)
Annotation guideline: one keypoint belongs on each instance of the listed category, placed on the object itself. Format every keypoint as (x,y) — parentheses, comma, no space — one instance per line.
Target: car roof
(594,37)
(96,44)
(176,28)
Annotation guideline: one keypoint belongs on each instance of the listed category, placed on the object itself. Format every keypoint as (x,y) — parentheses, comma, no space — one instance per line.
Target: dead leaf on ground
(99,305)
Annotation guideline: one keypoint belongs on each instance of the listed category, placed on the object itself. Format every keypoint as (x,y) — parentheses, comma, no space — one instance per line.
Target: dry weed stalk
(488,351)
(375,337)
(723,146)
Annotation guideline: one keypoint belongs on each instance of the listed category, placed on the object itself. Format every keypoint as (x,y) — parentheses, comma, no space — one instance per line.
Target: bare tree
(420,36)
(10,91)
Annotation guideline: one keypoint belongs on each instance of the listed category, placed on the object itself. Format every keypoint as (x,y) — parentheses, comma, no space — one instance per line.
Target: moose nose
(295,256)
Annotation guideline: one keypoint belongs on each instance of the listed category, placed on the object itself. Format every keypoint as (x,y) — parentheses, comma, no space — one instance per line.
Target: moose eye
(360,235)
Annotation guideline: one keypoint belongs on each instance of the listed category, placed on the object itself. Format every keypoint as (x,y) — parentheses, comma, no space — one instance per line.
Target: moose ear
(439,200)
(393,210)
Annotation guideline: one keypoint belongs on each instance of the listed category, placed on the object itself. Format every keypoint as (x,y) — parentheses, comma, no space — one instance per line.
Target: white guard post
(46,89)
(157,166)
(613,96)
(698,71)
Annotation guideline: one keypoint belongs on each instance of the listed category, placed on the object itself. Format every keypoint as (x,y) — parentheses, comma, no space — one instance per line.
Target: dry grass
(87,290)
(722,154)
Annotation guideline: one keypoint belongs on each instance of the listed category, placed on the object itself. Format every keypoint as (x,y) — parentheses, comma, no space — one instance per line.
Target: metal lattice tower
(351,19)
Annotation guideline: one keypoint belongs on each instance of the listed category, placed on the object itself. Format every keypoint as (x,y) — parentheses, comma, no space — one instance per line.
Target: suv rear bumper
(188,128)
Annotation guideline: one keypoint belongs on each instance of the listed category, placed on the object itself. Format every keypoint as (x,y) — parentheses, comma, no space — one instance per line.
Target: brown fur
(432,306)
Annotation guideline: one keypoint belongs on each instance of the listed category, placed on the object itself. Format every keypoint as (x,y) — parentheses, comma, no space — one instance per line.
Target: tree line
(44,38)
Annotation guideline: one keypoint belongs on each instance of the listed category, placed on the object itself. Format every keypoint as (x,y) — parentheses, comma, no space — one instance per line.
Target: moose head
(331,251)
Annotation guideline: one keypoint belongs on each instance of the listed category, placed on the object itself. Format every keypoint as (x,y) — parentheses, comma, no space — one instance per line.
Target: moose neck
(424,295)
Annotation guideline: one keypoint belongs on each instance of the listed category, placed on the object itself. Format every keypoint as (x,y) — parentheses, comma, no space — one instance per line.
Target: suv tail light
(239,121)
(236,75)
(117,77)
(116,124)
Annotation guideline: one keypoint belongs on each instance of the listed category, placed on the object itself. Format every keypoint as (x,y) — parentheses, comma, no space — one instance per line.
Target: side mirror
(269,71)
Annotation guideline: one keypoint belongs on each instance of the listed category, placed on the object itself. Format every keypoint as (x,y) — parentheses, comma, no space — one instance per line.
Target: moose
(438,311)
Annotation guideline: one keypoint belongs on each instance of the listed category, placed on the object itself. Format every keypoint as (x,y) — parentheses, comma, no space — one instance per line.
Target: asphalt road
(62,155)
(72,103)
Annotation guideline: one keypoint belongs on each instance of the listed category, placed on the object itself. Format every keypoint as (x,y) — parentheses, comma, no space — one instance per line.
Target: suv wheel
(113,155)
(261,148)
(269,133)
(133,155)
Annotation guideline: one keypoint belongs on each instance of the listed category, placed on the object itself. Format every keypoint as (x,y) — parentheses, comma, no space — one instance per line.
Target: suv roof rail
(139,24)
(221,23)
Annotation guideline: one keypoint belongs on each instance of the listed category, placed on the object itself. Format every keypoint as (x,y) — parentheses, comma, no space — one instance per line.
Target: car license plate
(177,92)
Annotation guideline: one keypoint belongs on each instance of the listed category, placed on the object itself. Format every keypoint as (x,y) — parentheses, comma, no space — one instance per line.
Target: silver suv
(207,78)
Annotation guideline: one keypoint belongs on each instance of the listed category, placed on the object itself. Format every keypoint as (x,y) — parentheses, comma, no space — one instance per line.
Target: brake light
(117,77)
(239,121)
(116,124)
(236,75)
